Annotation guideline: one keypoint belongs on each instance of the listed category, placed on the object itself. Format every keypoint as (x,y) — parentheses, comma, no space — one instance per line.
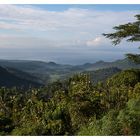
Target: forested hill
(46,72)
(8,79)
(36,66)
(76,107)
(102,74)
(120,64)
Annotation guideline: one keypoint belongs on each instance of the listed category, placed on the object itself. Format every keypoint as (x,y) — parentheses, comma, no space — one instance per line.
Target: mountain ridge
(46,72)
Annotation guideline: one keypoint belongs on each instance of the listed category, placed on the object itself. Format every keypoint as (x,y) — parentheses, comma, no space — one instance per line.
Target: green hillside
(47,72)
(76,106)
(8,79)
(102,74)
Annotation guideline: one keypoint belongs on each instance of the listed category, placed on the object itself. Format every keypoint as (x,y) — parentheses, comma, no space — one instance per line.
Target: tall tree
(130,32)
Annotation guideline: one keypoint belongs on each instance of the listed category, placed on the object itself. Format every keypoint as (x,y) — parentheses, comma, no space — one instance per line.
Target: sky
(66,34)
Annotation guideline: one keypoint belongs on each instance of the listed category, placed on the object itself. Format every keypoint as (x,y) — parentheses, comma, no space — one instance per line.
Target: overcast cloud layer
(71,36)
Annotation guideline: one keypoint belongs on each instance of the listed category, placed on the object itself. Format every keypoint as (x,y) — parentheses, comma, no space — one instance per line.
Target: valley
(48,72)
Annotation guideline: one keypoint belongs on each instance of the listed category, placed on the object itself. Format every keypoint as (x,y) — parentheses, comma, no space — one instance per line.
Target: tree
(130,32)
(129,117)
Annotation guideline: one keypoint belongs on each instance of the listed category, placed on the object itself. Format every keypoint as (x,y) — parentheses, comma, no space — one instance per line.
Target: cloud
(25,17)
(70,24)
(94,42)
(72,31)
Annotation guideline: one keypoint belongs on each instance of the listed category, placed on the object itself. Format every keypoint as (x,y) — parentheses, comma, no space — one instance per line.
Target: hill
(102,74)
(42,70)
(75,107)
(46,72)
(8,79)
(120,64)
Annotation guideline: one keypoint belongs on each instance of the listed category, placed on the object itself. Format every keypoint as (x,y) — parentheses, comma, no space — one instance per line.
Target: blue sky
(101,7)
(63,33)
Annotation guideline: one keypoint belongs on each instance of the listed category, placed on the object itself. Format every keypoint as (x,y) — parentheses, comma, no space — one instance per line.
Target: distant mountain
(120,64)
(8,79)
(46,72)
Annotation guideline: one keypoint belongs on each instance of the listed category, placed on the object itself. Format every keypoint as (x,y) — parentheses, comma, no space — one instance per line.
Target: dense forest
(102,102)
(75,106)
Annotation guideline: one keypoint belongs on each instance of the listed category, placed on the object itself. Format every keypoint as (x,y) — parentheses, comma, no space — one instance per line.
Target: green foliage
(102,74)
(136,91)
(127,78)
(108,125)
(134,57)
(124,122)
(91,129)
(74,107)
(130,31)
(129,118)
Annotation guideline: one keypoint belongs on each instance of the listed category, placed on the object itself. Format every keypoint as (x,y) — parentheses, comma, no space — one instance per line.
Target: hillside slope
(8,79)
(103,74)
(46,72)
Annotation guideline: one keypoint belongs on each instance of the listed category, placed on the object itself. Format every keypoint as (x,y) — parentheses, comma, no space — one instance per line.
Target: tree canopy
(79,107)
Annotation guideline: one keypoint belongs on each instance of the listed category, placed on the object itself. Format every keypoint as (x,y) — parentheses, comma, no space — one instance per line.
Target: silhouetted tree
(130,31)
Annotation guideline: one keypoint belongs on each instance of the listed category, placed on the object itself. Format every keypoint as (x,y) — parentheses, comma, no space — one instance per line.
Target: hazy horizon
(63,63)
(65,34)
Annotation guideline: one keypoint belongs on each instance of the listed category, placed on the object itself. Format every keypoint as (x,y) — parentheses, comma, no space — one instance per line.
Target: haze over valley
(69,70)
